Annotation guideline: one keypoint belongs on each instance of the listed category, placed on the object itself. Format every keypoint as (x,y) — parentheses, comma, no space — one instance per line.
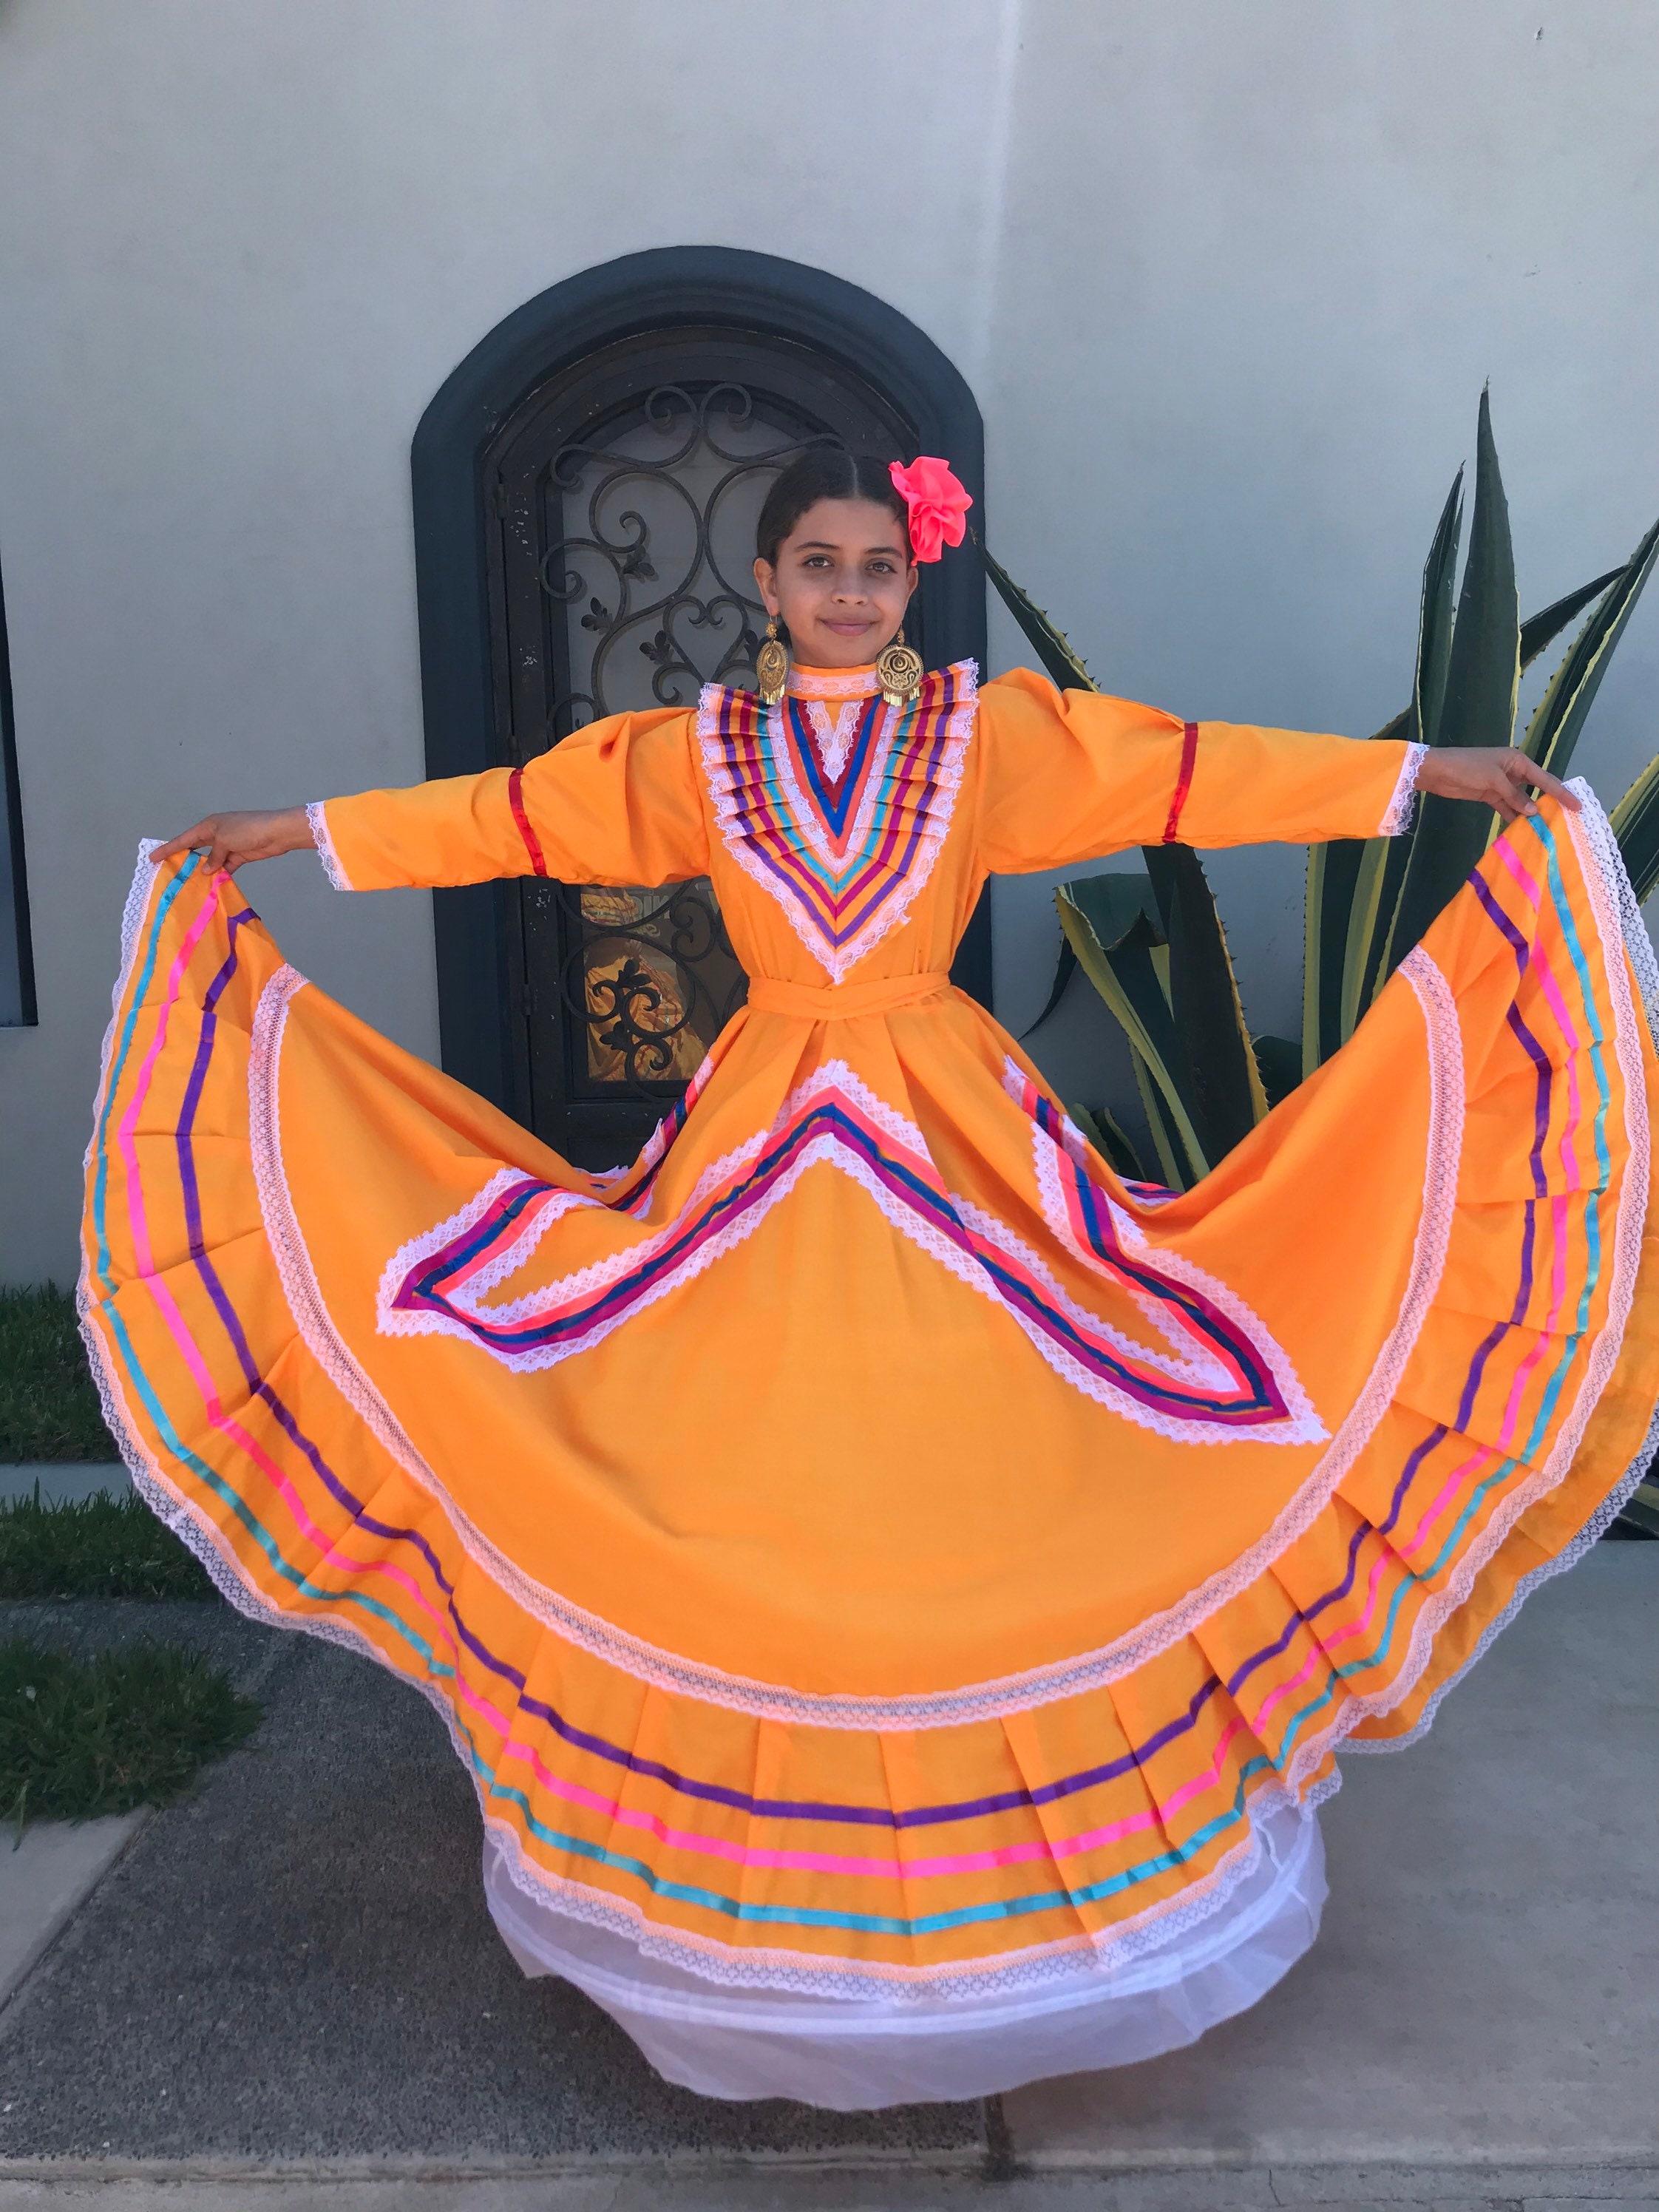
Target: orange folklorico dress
(897,1590)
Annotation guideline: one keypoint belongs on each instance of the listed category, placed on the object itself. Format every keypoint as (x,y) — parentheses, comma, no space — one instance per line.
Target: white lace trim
(1616,907)
(132,915)
(1081,1957)
(600,1274)
(1194,1366)
(833,741)
(837,961)
(1187,1360)
(1397,816)
(991,1700)
(1304,1425)
(834,685)
(1077,1956)
(139,892)
(1619,923)
(323,838)
(1443,1151)
(769,1968)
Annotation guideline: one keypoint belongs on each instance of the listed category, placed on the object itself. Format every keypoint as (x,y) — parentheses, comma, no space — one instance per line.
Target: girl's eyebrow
(827,545)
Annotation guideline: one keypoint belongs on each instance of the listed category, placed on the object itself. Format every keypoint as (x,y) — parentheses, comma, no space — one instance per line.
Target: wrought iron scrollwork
(695,473)
(626,496)
(651,979)
(650,976)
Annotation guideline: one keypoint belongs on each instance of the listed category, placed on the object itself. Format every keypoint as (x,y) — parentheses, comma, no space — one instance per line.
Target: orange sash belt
(840,1002)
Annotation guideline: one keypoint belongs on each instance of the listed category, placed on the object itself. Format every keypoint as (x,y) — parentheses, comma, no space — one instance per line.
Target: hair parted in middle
(825,472)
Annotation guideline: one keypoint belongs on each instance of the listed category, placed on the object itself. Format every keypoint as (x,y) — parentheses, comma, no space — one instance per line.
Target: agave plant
(1152,942)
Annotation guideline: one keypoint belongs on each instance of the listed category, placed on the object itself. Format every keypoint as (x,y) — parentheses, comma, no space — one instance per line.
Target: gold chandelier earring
(772,665)
(899,671)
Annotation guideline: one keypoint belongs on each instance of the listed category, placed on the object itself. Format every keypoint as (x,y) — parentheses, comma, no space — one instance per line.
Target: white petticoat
(852,2055)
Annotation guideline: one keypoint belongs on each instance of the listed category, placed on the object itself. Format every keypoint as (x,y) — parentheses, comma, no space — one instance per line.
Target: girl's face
(841,582)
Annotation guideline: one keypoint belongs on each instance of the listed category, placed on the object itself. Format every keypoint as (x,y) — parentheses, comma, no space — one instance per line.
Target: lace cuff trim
(317,816)
(1403,805)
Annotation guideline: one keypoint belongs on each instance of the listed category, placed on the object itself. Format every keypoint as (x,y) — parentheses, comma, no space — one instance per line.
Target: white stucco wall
(1226,280)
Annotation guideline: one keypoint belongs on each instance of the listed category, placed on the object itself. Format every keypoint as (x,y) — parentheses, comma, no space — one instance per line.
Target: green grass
(80,1737)
(99,1546)
(48,1407)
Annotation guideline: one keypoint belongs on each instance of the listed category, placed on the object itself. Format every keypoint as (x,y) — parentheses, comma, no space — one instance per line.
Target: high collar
(833,683)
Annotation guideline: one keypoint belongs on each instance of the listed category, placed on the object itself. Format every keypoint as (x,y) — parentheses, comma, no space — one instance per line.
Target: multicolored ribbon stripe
(895,794)
(1441,1491)
(829,1119)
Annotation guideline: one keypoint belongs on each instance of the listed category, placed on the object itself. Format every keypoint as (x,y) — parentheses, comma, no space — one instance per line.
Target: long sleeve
(1070,775)
(616,803)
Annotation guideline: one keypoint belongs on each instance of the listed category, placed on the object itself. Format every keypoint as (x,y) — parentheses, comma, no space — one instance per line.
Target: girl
(898,1589)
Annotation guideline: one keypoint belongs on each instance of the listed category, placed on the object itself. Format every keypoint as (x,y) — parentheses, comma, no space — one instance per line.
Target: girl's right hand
(229,839)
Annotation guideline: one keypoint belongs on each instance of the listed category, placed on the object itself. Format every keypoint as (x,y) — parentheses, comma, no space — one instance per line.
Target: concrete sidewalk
(49,1870)
(291,1982)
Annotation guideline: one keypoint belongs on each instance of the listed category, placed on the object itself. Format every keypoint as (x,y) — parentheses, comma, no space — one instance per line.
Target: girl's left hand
(230,841)
(1493,775)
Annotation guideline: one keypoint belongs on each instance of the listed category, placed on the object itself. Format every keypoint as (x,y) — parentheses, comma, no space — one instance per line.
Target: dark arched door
(587,486)
(625,494)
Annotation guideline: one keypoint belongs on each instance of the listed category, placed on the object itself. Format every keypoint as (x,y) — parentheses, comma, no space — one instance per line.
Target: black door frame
(666,286)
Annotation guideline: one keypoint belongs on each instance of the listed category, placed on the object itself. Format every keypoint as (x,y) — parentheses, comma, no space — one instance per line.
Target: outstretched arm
(1073,775)
(617,802)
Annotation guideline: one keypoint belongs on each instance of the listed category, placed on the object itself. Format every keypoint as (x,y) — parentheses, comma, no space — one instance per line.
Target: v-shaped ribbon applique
(833,742)
(833,759)
(1196,1366)
(844,856)
(1260,1391)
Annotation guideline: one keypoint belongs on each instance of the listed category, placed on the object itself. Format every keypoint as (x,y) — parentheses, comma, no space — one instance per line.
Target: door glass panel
(627,500)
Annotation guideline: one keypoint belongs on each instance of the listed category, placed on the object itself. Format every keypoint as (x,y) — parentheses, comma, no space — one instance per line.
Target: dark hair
(824,472)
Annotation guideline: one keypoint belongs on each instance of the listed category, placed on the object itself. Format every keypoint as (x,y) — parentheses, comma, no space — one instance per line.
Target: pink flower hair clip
(936,502)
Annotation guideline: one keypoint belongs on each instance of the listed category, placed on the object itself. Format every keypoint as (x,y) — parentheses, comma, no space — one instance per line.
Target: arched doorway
(586,485)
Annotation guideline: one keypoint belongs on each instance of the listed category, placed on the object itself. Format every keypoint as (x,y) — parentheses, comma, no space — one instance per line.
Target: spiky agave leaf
(1111,1140)
(1202,1066)
(1635,823)
(1108,921)
(1542,629)
(1435,625)
(1176,1168)
(1353,887)
(1380,874)
(1219,1077)
(1279,1061)
(1065,968)
(1484,666)
(1552,733)
(1327,903)
(1353,884)
(1052,646)
(1482,679)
